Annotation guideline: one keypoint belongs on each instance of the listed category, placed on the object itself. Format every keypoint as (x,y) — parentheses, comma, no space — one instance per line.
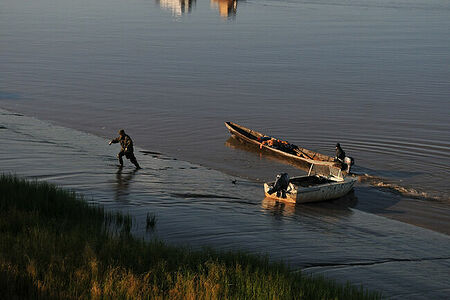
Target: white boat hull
(335,188)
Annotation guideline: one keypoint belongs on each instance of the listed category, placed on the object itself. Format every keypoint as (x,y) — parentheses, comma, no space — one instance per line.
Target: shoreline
(386,201)
(197,206)
(115,264)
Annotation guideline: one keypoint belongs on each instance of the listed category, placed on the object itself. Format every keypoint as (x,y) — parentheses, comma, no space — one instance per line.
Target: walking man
(126,148)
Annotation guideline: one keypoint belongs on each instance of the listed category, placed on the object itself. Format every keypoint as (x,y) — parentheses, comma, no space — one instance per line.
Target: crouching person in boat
(346,161)
(280,186)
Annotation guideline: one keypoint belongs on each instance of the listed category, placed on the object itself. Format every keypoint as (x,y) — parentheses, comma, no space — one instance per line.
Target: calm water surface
(373,75)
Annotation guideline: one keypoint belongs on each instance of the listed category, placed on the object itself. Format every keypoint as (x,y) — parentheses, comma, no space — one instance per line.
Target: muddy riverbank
(346,239)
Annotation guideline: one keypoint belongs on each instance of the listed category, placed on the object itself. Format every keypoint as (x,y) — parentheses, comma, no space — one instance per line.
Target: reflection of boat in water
(287,151)
(177,7)
(329,210)
(311,188)
(227,8)
(235,144)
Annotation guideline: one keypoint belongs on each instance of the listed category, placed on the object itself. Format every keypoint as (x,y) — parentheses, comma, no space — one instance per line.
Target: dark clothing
(127,149)
(340,154)
(280,186)
(125,142)
(129,155)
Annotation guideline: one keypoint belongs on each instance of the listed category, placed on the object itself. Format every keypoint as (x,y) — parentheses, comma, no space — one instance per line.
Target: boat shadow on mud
(378,201)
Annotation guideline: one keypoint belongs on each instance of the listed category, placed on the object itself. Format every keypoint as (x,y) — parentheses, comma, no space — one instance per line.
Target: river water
(372,75)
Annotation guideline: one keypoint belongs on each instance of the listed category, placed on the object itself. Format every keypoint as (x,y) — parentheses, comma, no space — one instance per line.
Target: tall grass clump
(150,221)
(53,244)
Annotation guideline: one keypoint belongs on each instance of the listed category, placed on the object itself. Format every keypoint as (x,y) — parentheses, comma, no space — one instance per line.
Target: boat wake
(383,183)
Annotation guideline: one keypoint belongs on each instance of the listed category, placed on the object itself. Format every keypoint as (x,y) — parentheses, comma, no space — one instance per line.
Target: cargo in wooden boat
(286,150)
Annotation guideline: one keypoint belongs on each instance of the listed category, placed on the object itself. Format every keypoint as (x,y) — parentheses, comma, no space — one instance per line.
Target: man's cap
(338,145)
(121,131)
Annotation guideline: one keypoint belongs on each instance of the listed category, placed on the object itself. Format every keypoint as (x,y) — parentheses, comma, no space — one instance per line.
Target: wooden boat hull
(332,188)
(306,157)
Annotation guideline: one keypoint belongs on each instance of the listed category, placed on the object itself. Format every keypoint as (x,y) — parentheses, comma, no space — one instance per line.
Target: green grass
(151,221)
(54,245)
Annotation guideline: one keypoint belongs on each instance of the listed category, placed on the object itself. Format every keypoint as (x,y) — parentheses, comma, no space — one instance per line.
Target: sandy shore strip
(199,206)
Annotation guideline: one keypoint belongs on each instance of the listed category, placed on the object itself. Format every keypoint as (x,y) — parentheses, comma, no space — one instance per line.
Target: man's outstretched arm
(114,141)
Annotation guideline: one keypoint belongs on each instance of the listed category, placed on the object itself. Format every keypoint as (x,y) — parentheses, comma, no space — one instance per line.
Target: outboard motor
(280,186)
(349,161)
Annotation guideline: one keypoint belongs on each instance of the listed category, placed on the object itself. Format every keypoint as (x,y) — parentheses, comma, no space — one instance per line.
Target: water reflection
(176,7)
(278,209)
(227,8)
(264,153)
(333,210)
(123,184)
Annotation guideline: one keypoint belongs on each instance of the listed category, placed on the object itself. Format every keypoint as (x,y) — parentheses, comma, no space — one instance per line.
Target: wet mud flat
(198,206)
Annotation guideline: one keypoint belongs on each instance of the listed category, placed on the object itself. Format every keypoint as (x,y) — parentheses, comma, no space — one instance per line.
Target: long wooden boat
(313,188)
(292,152)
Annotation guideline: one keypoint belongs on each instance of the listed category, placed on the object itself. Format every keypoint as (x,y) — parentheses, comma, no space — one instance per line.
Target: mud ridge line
(391,260)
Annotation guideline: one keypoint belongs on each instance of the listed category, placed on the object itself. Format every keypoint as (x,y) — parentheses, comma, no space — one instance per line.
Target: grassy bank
(55,245)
